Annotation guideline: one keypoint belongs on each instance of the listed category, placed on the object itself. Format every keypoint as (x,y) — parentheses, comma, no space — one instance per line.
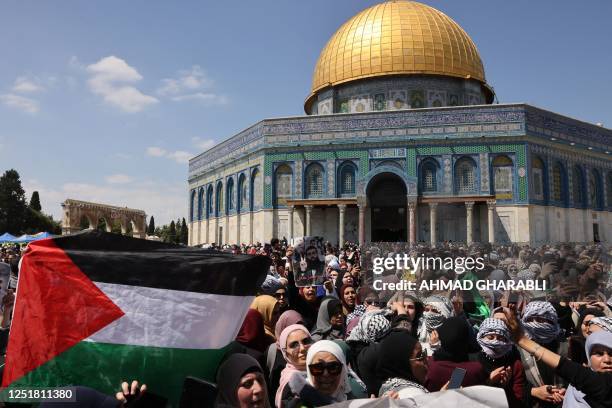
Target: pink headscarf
(289,369)
(285,320)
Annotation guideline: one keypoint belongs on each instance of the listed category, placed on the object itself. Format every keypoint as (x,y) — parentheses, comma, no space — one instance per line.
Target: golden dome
(397,37)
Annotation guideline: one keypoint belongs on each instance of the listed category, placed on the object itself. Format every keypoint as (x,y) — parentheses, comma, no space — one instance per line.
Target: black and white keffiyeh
(431,320)
(371,327)
(494,348)
(398,384)
(541,332)
(603,322)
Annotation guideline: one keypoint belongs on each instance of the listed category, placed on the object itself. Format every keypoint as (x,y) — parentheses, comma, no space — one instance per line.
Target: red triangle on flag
(56,307)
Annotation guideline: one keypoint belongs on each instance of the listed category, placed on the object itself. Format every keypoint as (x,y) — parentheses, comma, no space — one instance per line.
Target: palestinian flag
(98,308)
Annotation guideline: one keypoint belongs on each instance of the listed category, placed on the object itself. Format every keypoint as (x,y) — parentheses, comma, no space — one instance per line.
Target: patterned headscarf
(603,322)
(271,285)
(525,275)
(430,320)
(541,332)
(371,327)
(397,384)
(494,348)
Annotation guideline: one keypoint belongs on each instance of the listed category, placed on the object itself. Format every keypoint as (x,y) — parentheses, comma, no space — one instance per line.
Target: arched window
(502,177)
(559,192)
(192,203)
(230,195)
(219,200)
(283,181)
(256,195)
(595,196)
(346,179)
(465,176)
(209,201)
(537,178)
(314,181)
(429,176)
(243,198)
(578,186)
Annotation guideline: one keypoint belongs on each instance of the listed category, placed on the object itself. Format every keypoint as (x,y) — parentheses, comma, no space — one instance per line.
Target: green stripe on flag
(104,366)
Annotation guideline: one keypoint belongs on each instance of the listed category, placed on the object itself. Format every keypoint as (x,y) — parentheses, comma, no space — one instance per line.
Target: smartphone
(456,378)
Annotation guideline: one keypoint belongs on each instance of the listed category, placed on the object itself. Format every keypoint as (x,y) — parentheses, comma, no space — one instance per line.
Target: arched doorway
(386,194)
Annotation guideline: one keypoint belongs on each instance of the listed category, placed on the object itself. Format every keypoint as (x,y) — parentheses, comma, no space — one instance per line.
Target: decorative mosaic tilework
(397,99)
(484,172)
(298,177)
(411,161)
(331,176)
(448,173)
(436,98)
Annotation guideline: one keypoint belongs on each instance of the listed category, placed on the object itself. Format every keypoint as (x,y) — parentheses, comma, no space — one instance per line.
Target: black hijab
(454,340)
(229,375)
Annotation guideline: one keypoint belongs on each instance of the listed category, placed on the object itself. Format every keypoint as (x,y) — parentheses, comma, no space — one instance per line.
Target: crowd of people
(312,346)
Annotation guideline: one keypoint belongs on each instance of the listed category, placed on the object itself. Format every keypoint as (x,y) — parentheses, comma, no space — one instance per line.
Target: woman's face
(333,274)
(410,309)
(349,296)
(297,347)
(337,318)
(281,296)
(601,358)
(418,363)
(310,294)
(432,309)
(252,391)
(585,326)
(494,336)
(326,381)
(347,279)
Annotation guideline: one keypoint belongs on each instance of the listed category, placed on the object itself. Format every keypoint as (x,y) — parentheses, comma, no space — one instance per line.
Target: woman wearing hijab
(241,383)
(326,378)
(348,297)
(453,353)
(294,342)
(594,382)
(252,334)
(501,360)
(408,310)
(541,325)
(436,309)
(267,306)
(330,321)
(401,362)
(577,341)
(598,348)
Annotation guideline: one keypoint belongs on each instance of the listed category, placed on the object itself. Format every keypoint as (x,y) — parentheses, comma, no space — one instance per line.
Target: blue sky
(106,101)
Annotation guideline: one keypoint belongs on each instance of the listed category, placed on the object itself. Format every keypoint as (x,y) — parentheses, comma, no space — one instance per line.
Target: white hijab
(331,347)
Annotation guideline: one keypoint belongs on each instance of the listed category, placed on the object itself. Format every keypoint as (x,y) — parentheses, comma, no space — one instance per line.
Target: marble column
(433,220)
(362,210)
(412,205)
(491,220)
(341,211)
(290,208)
(469,225)
(308,217)
(238,221)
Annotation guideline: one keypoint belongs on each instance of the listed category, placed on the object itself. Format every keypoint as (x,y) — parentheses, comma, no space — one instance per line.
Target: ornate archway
(75,211)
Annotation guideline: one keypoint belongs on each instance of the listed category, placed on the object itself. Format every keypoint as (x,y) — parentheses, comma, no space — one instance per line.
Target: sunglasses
(333,368)
(280,295)
(372,302)
(421,357)
(306,341)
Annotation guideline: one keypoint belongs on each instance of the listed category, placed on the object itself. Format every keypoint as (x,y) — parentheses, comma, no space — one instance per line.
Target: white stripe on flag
(172,318)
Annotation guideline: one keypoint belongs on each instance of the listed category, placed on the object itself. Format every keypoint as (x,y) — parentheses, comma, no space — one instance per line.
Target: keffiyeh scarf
(430,320)
(371,327)
(397,384)
(541,332)
(494,348)
(603,322)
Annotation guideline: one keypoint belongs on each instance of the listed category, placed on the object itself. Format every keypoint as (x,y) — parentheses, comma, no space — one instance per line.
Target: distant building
(401,142)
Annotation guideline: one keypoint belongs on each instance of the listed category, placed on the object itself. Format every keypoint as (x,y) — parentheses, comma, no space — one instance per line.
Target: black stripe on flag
(113,258)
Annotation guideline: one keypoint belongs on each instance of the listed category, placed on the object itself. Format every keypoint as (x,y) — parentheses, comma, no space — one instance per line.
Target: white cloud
(190,85)
(118,179)
(165,201)
(155,151)
(107,78)
(179,156)
(203,144)
(26,85)
(22,103)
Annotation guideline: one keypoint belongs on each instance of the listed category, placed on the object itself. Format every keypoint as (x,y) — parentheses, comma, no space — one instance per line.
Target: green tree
(184,232)
(12,203)
(101,225)
(35,201)
(171,233)
(37,221)
(151,229)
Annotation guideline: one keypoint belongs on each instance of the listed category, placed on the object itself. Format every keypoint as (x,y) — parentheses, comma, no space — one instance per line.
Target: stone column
(362,209)
(491,220)
(412,205)
(433,212)
(290,208)
(308,216)
(469,225)
(238,222)
(341,210)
